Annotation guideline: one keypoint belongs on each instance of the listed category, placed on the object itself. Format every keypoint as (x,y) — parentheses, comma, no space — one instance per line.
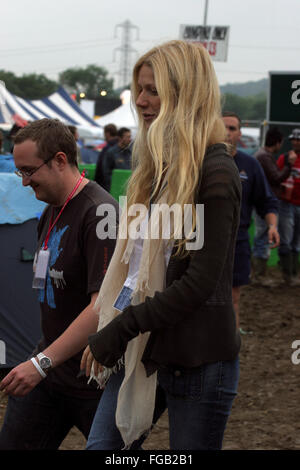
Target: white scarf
(136,398)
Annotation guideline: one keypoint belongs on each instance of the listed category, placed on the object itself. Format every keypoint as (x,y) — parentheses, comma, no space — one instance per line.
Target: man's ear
(61,160)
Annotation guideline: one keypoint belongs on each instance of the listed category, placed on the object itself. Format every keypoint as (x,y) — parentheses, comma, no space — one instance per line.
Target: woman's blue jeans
(199,402)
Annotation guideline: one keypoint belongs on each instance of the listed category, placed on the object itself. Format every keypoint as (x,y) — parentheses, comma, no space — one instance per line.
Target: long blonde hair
(188,122)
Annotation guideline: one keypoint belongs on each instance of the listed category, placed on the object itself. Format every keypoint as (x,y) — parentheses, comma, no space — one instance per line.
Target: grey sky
(50,36)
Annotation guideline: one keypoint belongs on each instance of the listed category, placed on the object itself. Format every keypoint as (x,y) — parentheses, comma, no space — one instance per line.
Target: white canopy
(123,116)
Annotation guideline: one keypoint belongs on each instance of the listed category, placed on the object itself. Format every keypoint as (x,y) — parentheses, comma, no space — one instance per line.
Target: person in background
(12,133)
(118,157)
(266,156)
(6,159)
(111,137)
(166,314)
(47,394)
(74,132)
(256,194)
(289,213)
(1,142)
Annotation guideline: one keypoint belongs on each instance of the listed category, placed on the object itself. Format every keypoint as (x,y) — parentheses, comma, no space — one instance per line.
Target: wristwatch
(44,362)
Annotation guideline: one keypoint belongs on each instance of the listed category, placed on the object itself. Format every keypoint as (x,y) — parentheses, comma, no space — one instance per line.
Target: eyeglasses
(29,173)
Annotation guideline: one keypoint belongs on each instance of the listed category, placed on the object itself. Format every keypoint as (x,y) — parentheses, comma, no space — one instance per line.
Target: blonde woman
(166,320)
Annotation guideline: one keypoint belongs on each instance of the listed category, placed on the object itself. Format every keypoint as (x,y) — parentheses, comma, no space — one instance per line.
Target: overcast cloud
(50,36)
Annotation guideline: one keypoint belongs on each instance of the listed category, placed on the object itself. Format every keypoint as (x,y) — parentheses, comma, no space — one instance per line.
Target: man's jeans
(43,418)
(261,247)
(199,402)
(289,228)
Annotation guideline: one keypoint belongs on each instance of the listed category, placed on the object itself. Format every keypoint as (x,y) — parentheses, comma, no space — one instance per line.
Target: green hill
(246,89)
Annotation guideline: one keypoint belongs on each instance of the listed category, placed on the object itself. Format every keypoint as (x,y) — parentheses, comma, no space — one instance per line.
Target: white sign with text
(214,38)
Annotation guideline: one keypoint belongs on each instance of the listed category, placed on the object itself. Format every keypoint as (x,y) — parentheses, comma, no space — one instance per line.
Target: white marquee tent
(123,116)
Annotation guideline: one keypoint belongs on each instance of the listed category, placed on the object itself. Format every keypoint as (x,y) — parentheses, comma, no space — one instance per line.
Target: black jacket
(116,158)
(100,167)
(192,321)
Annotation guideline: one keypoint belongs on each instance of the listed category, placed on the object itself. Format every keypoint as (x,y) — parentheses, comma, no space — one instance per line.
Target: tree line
(92,79)
(247,107)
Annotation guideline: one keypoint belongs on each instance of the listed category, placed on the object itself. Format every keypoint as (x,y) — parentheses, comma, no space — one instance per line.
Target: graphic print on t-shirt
(53,245)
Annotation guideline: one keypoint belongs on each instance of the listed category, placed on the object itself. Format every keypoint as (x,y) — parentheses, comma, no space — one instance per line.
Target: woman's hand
(87,361)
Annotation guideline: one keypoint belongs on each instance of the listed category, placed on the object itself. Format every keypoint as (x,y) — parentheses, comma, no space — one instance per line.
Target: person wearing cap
(289,214)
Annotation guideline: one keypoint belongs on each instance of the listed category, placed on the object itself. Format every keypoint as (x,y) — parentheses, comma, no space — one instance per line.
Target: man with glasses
(256,194)
(47,394)
(30,173)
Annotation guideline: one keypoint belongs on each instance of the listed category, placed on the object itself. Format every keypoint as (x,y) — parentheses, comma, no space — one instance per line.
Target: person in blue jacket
(257,194)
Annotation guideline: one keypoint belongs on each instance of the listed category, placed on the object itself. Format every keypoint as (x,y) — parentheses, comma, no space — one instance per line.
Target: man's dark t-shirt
(77,266)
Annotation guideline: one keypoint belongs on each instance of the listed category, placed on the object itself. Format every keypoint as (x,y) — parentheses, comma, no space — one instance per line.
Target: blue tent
(7,164)
(19,308)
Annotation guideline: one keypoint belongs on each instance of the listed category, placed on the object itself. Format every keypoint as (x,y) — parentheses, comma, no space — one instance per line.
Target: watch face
(45,363)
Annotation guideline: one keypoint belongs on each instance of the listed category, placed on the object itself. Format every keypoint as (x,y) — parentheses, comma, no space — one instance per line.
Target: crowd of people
(133,325)
(283,176)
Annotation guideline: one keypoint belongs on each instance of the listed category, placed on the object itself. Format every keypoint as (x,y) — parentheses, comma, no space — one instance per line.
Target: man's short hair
(232,114)
(123,131)
(73,130)
(273,137)
(111,129)
(51,136)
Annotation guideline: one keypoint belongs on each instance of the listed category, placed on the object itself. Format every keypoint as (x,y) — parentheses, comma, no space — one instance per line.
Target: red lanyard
(58,216)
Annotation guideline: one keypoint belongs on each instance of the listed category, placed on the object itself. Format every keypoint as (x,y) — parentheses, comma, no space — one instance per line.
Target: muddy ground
(266,412)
